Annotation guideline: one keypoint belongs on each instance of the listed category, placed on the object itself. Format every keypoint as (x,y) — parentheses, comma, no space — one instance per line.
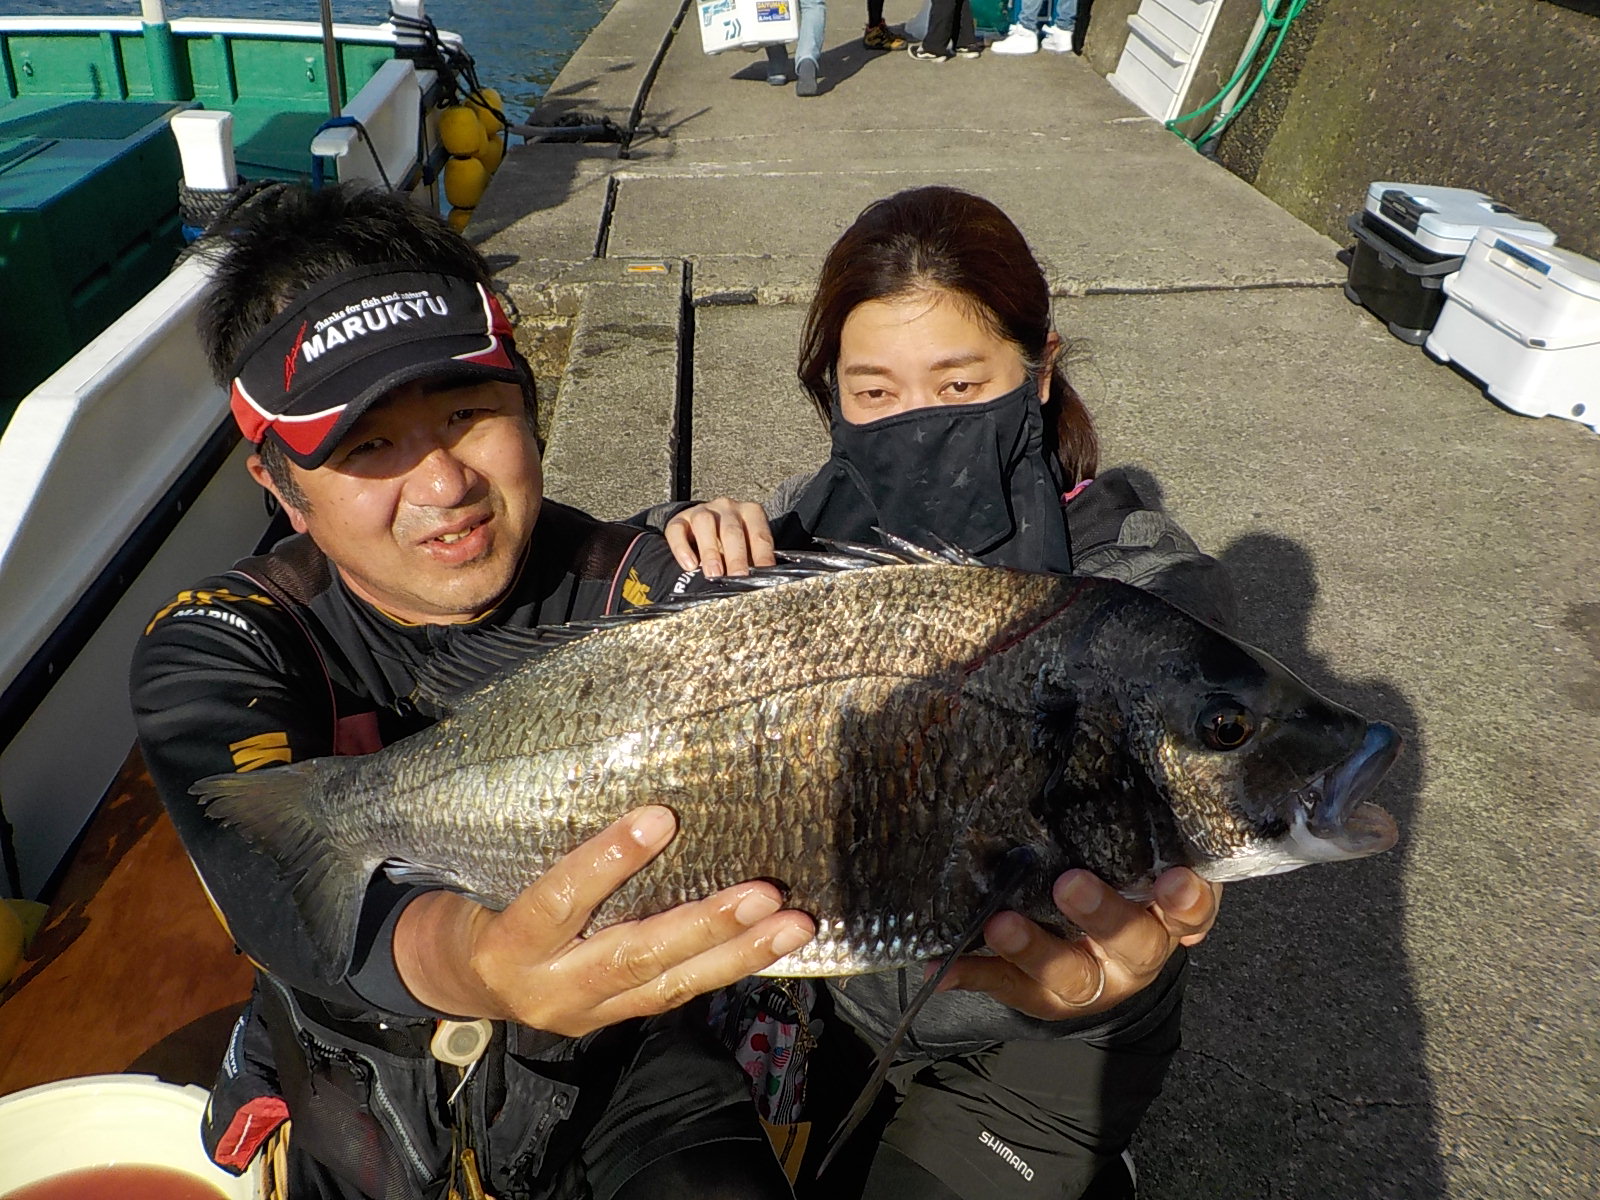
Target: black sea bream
(876,738)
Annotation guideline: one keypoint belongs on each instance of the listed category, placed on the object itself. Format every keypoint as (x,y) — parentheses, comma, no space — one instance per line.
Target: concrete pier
(1421,1025)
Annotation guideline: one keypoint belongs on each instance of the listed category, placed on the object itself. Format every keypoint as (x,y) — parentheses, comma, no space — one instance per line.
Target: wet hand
(721,537)
(1126,946)
(532,964)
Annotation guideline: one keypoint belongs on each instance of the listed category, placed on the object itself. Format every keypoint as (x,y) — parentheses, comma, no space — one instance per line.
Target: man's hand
(1040,974)
(721,537)
(532,964)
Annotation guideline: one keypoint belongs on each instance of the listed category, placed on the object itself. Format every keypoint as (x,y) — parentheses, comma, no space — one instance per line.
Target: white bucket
(105,1120)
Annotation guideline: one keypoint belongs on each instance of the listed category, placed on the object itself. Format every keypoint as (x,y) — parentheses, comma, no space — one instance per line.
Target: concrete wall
(1498,95)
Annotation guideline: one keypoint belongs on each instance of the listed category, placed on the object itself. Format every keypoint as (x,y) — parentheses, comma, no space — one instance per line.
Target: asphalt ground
(1418,1025)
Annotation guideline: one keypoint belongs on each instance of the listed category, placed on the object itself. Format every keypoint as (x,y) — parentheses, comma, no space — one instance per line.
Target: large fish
(891,742)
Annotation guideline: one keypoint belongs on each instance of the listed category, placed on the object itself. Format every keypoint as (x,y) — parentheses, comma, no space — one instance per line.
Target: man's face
(428,504)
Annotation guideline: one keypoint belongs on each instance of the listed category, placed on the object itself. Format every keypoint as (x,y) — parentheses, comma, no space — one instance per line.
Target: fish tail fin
(280,811)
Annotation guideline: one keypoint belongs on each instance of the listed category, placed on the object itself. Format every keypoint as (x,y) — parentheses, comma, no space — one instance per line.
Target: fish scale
(876,739)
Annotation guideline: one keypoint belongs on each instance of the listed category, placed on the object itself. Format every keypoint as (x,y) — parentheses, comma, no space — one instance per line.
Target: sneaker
(881,37)
(805,77)
(778,70)
(1057,40)
(968,51)
(917,52)
(1018,40)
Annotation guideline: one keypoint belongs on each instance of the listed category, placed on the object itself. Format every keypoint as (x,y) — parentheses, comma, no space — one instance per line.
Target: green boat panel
(68,64)
(15,150)
(228,71)
(88,224)
(89,170)
(271,143)
(219,68)
(99,120)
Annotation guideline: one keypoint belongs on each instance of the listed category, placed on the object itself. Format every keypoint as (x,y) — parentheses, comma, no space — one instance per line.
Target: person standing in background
(950,34)
(1025,35)
(878,35)
(807,50)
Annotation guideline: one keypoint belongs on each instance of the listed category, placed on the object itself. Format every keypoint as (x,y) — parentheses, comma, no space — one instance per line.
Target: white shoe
(1056,39)
(1019,39)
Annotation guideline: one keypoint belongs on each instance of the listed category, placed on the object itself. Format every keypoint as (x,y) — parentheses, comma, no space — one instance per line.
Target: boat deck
(131,971)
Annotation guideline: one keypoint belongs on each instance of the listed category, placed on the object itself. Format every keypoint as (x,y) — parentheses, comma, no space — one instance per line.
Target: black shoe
(881,37)
(806,77)
(968,51)
(917,52)
(778,69)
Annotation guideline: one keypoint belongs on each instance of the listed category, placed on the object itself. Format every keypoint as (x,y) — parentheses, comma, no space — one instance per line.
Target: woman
(929,350)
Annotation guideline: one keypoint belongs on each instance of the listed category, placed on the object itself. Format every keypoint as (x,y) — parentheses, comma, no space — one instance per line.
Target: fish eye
(1225,725)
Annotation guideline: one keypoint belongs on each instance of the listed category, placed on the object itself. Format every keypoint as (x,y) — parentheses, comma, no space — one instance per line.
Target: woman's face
(922,349)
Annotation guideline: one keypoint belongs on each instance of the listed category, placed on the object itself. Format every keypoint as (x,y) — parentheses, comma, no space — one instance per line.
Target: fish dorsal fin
(490,653)
(905,551)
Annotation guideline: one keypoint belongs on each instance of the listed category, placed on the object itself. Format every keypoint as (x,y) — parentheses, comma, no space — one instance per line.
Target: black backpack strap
(292,572)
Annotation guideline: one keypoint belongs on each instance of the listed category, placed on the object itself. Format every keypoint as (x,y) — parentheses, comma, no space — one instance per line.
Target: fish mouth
(1333,807)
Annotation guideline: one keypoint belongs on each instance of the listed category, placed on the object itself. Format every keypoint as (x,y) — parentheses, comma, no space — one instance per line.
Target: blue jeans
(808,44)
(1063,14)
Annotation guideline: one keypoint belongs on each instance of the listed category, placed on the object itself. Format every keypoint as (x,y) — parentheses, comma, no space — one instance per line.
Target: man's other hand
(1126,946)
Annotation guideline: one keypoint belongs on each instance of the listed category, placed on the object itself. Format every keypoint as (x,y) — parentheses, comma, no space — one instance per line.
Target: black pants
(949,27)
(1024,1118)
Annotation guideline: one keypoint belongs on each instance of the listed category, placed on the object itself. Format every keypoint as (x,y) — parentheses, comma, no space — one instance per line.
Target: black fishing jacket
(277,661)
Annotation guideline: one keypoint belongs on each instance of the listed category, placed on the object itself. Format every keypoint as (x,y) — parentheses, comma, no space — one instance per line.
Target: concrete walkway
(1420,1025)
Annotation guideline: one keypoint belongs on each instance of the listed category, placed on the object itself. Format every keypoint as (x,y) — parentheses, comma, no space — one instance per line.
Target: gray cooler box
(1409,237)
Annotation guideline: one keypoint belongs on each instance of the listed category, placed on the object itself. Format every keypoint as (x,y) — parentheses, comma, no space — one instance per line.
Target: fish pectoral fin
(415,874)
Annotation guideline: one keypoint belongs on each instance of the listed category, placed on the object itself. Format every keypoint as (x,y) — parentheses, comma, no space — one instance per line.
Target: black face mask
(975,475)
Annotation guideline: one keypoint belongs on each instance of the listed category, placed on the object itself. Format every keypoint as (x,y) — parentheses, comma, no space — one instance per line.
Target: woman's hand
(532,963)
(722,537)
(1127,945)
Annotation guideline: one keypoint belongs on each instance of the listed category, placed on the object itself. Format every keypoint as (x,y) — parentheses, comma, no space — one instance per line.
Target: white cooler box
(1525,320)
(747,24)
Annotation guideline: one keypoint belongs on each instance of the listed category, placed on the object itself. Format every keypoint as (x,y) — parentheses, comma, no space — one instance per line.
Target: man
(393,419)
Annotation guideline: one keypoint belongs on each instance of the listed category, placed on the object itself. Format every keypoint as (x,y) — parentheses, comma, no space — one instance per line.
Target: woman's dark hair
(940,239)
(285,238)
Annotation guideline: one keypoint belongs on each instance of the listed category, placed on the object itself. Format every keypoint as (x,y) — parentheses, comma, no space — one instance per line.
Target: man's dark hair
(287,238)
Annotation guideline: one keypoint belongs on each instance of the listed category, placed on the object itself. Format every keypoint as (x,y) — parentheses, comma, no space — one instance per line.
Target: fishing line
(1015,866)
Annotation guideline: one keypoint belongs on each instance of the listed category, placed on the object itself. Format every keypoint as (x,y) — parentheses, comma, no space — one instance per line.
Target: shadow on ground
(834,67)
(1303,1074)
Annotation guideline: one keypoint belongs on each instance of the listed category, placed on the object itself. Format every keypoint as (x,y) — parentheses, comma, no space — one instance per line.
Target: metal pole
(330,59)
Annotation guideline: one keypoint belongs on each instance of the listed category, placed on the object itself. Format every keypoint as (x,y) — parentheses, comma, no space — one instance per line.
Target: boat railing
(379,140)
(120,420)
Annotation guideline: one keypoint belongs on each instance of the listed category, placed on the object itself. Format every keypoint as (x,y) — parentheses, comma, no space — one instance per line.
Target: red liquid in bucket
(123,1182)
